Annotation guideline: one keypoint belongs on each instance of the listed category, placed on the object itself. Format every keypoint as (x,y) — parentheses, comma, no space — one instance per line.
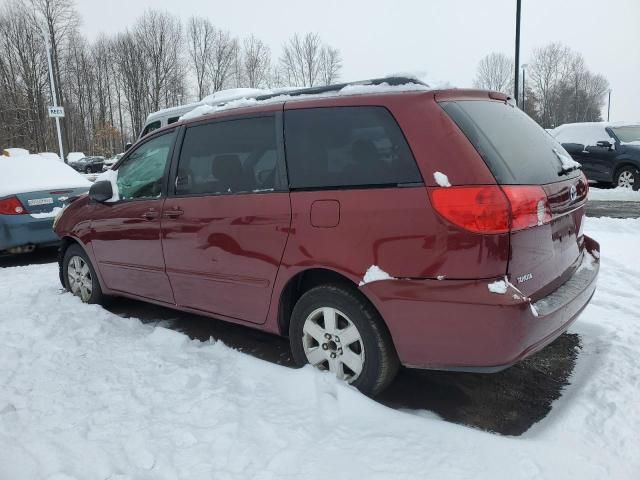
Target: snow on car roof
(363,88)
(586,133)
(32,173)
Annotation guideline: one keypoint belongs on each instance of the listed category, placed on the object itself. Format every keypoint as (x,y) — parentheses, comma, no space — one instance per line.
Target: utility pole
(517,66)
(53,91)
(609,105)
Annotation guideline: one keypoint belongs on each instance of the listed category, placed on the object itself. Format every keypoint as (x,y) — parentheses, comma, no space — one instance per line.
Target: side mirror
(604,144)
(573,148)
(127,146)
(101,191)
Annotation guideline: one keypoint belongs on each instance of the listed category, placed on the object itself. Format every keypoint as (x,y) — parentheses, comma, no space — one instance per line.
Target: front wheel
(80,277)
(334,328)
(88,170)
(628,177)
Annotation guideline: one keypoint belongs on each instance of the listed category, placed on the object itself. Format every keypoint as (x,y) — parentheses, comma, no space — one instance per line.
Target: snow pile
(16,152)
(89,395)
(50,156)
(441,179)
(374,274)
(32,173)
(499,286)
(614,194)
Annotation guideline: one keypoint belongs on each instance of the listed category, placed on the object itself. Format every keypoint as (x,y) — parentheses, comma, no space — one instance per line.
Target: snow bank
(614,194)
(441,179)
(89,395)
(32,173)
(374,274)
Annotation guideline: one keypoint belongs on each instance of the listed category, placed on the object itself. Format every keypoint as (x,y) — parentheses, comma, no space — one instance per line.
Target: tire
(86,285)
(372,350)
(627,177)
(88,170)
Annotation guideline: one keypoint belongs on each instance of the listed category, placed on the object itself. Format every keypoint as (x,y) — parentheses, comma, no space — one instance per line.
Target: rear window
(347,147)
(514,147)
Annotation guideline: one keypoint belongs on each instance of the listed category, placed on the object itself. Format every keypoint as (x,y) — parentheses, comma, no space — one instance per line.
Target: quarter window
(347,146)
(150,128)
(228,157)
(140,175)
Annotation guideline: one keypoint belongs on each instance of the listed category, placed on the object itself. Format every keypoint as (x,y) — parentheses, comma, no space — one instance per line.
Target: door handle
(150,215)
(173,213)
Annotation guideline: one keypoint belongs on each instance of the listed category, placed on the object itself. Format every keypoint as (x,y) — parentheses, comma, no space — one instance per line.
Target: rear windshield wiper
(567,164)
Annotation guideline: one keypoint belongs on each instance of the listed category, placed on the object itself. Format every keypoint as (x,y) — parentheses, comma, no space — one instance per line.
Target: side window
(347,146)
(172,120)
(228,157)
(141,173)
(150,128)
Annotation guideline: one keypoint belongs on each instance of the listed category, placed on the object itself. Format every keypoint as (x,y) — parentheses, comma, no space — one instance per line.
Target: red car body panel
(232,256)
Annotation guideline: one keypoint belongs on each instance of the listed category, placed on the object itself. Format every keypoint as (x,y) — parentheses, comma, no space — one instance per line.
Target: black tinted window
(514,147)
(346,146)
(228,157)
(151,127)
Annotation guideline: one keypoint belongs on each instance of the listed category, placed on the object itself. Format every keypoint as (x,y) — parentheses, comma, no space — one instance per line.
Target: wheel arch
(304,281)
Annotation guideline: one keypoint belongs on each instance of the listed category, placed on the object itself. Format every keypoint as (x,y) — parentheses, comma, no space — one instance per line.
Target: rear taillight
(11,206)
(492,209)
(478,209)
(529,206)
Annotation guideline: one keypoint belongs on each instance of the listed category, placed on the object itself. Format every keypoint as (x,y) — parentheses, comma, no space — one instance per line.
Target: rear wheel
(87,169)
(628,177)
(80,277)
(334,328)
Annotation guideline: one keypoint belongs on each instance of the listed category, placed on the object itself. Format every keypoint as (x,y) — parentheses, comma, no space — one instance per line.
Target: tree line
(108,86)
(559,87)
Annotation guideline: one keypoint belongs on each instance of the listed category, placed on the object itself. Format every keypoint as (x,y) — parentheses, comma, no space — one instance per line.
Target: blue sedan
(33,190)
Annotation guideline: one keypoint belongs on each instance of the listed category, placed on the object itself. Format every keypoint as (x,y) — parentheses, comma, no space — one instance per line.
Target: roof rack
(391,81)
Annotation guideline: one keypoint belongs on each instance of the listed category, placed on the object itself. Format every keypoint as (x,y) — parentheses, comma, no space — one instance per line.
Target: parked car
(608,152)
(110,162)
(74,156)
(88,164)
(28,202)
(374,225)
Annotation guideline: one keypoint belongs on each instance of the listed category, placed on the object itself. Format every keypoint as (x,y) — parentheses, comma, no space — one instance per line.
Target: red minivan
(374,225)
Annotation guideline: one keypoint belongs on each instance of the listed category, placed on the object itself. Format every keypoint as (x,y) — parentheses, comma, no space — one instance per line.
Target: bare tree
(200,37)
(330,65)
(256,62)
(301,59)
(495,72)
(221,67)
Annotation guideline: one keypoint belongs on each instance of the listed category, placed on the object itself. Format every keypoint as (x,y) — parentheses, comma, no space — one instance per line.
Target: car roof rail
(391,81)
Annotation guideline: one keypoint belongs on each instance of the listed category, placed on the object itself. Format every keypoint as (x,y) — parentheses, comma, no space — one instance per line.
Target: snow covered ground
(86,394)
(614,194)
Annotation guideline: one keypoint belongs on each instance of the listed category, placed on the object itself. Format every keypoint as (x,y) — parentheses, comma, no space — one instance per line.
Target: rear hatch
(536,174)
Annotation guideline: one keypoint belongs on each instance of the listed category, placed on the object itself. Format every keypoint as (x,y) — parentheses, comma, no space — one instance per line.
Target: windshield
(627,134)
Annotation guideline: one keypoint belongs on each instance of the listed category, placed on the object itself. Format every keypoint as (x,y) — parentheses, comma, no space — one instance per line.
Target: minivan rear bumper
(462,325)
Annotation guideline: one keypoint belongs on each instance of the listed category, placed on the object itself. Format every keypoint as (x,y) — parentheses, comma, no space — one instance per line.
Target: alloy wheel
(626,179)
(332,342)
(79,275)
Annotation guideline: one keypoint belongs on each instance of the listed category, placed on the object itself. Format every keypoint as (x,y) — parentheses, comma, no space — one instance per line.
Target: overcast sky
(443,39)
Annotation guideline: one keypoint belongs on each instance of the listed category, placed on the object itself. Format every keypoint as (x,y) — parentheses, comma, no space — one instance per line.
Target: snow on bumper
(462,325)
